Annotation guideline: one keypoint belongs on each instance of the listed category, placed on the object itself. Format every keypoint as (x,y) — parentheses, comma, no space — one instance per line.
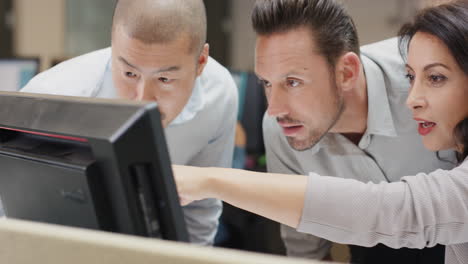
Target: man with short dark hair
(159,54)
(335,110)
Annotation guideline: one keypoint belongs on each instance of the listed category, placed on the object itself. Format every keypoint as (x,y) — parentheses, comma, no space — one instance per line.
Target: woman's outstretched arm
(279,197)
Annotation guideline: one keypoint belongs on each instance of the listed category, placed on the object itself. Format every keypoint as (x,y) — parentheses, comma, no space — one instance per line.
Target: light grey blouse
(419,211)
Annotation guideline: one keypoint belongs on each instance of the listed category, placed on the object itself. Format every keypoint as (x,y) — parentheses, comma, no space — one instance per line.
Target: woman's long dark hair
(449,23)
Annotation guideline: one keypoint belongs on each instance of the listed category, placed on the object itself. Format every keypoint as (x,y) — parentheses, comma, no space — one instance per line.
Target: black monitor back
(90,163)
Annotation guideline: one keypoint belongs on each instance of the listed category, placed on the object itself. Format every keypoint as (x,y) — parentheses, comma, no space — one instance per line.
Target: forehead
(286,51)
(137,51)
(425,49)
(292,42)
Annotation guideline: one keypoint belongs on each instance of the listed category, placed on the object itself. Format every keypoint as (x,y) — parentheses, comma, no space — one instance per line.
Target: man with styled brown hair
(335,109)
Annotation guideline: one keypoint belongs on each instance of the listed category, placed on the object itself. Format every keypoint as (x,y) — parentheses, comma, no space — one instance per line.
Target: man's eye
(164,80)
(293,83)
(264,83)
(130,74)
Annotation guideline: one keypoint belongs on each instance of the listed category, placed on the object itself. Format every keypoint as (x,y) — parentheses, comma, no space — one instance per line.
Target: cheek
(124,88)
(179,100)
(319,101)
(173,102)
(453,110)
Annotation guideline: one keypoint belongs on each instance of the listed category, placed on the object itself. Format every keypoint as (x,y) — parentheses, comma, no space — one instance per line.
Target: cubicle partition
(26,242)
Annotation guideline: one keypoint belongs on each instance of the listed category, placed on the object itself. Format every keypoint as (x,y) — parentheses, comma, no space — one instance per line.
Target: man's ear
(203,59)
(347,71)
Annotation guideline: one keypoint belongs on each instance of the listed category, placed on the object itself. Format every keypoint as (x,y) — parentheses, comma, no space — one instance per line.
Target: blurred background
(55,29)
(37,34)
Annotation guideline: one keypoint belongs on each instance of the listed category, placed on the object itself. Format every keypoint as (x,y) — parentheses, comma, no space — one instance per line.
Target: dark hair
(162,21)
(449,23)
(330,24)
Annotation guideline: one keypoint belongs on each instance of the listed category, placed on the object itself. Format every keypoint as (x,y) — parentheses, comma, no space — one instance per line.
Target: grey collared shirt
(390,148)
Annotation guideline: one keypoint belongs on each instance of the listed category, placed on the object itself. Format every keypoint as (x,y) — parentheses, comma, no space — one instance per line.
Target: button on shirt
(389,149)
(201,135)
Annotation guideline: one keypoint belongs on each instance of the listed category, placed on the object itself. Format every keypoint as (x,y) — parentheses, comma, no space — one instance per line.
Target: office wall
(6,30)
(379,19)
(88,25)
(39,29)
(243,36)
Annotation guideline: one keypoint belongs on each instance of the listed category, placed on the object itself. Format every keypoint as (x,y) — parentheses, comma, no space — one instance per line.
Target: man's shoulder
(270,127)
(382,47)
(385,53)
(88,62)
(273,135)
(217,74)
(217,84)
(214,68)
(384,57)
(73,76)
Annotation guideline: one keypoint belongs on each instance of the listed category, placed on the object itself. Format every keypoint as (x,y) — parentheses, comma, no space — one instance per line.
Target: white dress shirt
(201,135)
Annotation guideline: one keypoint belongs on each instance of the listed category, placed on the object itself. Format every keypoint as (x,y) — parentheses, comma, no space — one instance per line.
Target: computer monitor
(15,73)
(87,162)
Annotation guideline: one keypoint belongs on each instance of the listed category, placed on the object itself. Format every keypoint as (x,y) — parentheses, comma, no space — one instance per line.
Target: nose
(277,102)
(416,99)
(146,91)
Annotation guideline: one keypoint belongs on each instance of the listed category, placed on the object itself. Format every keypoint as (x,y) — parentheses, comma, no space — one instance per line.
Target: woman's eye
(437,78)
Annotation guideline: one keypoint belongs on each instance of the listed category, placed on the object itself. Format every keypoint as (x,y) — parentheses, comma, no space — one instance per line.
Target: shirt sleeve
(419,211)
(202,216)
(37,85)
(297,244)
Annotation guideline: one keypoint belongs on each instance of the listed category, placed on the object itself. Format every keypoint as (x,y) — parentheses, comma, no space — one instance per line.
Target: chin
(431,147)
(301,145)
(437,145)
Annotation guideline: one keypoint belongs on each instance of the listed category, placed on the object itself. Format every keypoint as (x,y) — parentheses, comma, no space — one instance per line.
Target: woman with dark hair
(419,211)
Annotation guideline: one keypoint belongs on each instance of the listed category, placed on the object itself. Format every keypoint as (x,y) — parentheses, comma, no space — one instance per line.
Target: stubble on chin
(305,144)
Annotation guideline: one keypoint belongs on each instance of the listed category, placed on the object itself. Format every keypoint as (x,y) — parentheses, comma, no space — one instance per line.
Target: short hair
(162,21)
(448,22)
(334,30)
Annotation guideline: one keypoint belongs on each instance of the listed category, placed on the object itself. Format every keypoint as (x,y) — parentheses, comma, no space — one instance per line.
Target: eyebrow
(427,67)
(167,69)
(432,65)
(284,76)
(258,76)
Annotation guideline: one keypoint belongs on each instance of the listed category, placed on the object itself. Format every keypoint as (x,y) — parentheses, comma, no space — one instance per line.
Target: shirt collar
(379,116)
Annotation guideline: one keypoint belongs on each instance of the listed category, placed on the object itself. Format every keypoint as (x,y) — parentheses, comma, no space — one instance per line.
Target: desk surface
(24,242)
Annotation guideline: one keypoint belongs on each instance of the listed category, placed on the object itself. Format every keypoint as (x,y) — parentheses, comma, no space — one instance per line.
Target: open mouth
(427,124)
(291,127)
(291,130)
(425,127)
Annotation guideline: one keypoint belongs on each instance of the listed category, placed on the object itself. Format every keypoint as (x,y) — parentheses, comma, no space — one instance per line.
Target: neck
(353,120)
